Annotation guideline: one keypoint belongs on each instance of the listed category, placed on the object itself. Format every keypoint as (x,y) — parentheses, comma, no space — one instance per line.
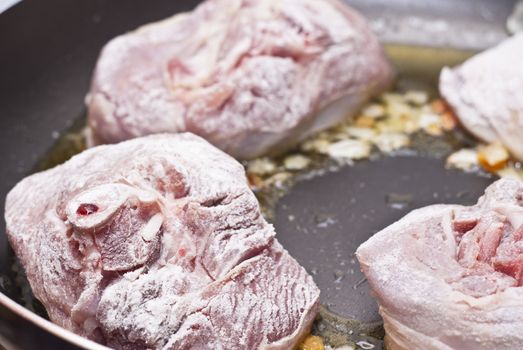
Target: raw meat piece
(250,76)
(486,92)
(158,243)
(449,277)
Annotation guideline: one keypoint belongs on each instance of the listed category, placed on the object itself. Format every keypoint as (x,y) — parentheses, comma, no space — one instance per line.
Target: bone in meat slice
(158,243)
(252,77)
(486,92)
(449,277)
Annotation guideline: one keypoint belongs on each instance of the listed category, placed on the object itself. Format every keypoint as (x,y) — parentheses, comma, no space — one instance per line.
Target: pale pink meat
(486,92)
(158,243)
(451,277)
(250,76)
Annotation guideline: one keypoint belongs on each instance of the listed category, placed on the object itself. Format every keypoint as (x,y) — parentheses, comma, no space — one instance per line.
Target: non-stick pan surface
(47,52)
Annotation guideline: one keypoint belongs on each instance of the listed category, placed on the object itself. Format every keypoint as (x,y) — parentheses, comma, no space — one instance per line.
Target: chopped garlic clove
(362,133)
(261,166)
(391,125)
(316,145)
(296,162)
(278,180)
(493,157)
(349,149)
(389,142)
(464,159)
(374,111)
(399,109)
(431,124)
(428,119)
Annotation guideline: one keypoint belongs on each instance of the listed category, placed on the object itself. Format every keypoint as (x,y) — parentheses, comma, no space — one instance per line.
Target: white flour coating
(250,76)
(158,243)
(449,277)
(487,94)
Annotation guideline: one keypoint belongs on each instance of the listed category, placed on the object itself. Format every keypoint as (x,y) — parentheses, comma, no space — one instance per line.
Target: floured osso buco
(486,92)
(158,243)
(450,277)
(251,77)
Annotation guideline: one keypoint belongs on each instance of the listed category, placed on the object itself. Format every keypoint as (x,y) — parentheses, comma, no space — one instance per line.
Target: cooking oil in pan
(418,69)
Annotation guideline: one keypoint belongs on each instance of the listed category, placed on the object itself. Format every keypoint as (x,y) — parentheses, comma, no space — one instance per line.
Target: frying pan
(47,52)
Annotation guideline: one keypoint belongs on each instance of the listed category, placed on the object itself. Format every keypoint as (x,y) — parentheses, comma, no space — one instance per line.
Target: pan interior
(322,219)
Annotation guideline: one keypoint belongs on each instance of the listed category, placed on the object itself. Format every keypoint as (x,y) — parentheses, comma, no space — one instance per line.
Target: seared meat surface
(158,243)
(250,76)
(449,276)
(486,92)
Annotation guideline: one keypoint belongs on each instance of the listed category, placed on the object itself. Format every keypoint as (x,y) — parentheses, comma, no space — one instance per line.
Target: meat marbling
(158,243)
(486,92)
(250,76)
(449,277)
